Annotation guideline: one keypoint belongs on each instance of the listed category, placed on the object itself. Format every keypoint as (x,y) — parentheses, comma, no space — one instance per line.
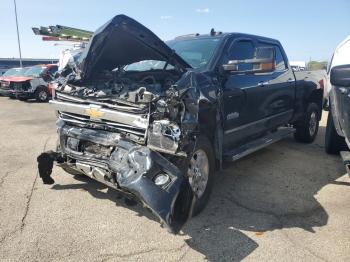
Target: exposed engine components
(141,95)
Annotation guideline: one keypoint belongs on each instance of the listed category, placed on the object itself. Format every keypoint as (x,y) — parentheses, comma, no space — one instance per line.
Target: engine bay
(152,93)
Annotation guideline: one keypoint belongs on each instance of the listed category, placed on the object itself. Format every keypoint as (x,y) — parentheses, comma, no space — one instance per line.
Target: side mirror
(232,65)
(263,61)
(340,76)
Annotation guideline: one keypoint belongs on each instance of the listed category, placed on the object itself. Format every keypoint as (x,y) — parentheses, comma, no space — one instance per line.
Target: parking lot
(289,201)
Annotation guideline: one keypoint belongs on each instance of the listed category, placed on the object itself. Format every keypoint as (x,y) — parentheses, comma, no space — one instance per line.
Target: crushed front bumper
(125,166)
(23,94)
(17,93)
(5,92)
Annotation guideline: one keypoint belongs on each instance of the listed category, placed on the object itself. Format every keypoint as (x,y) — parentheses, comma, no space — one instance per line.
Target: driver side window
(241,50)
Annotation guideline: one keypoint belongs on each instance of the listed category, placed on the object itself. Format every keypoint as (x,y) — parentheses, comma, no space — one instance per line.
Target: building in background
(7,63)
(298,65)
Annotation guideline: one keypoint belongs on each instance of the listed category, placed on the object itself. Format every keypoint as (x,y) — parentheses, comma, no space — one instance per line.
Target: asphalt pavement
(287,202)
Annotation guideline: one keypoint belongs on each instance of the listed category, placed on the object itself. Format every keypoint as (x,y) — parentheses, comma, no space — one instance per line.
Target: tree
(317,65)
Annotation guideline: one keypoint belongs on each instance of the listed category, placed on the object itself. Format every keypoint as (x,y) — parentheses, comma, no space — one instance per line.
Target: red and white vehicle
(33,83)
(10,74)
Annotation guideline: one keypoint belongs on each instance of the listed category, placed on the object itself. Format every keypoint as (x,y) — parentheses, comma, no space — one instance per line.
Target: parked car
(154,120)
(337,137)
(33,83)
(8,75)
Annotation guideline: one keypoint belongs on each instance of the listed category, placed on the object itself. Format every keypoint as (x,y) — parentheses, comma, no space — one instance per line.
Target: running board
(257,144)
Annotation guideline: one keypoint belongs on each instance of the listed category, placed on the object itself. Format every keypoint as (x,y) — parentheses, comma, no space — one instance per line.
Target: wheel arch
(210,126)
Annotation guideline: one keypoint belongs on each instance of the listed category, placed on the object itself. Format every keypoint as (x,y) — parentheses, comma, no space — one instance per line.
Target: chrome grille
(85,121)
(21,86)
(131,125)
(124,106)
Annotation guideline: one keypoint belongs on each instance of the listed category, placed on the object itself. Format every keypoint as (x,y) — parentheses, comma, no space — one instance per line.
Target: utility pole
(19,42)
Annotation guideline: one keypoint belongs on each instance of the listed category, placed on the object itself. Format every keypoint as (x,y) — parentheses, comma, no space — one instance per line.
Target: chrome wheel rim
(313,123)
(198,172)
(43,95)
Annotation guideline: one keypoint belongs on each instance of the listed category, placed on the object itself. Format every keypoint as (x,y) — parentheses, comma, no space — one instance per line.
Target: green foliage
(317,65)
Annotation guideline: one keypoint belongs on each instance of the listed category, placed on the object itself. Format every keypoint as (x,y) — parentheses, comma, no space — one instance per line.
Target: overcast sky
(306,28)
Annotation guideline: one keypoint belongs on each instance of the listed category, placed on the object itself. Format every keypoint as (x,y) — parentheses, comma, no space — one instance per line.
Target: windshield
(196,52)
(15,72)
(35,71)
(148,65)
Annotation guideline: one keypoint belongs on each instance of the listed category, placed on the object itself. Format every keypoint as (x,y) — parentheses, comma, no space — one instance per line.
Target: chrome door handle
(290,80)
(262,83)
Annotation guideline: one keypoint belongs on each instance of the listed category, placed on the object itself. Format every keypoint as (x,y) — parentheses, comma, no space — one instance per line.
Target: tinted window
(280,64)
(242,50)
(196,52)
(35,71)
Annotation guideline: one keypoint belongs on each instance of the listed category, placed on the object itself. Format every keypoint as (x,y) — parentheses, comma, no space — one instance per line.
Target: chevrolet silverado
(155,120)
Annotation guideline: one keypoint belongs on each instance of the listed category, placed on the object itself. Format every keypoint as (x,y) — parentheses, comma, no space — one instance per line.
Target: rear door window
(280,63)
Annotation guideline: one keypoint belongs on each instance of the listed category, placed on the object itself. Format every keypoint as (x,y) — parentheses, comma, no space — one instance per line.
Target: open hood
(122,41)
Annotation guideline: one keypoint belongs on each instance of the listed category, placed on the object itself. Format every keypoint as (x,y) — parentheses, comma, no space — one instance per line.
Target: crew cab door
(239,107)
(254,103)
(277,92)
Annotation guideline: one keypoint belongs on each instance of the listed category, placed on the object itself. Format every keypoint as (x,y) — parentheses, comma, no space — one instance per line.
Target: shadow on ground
(274,188)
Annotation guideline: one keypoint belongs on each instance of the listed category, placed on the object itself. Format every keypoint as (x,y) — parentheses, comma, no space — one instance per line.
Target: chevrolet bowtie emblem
(94,112)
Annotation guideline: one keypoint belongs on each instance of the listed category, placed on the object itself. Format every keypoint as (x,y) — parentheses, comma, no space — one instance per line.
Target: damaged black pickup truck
(155,120)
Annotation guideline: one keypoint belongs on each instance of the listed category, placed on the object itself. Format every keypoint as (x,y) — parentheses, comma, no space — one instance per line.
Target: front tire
(306,131)
(41,94)
(201,173)
(334,143)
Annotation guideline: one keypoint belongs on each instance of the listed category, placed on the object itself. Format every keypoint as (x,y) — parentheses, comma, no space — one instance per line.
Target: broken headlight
(164,136)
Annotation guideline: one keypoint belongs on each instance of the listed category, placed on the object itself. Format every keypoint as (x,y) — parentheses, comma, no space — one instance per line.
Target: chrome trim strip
(142,134)
(71,117)
(256,122)
(67,98)
(135,120)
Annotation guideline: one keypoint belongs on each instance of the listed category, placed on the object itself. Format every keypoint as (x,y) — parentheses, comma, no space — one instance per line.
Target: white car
(338,103)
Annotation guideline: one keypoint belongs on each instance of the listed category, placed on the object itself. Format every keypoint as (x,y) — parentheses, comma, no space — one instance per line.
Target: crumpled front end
(142,149)
(22,89)
(126,166)
(133,130)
